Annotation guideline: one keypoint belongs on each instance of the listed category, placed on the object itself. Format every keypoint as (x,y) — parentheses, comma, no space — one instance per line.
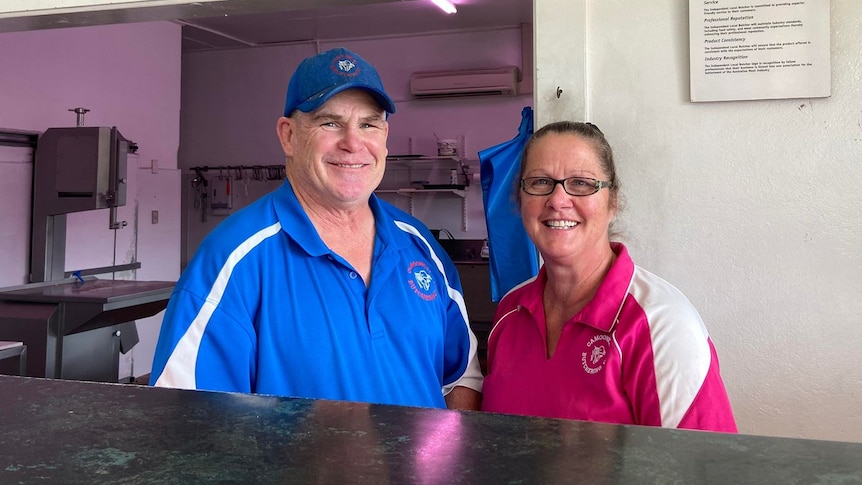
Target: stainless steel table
(76,329)
(60,431)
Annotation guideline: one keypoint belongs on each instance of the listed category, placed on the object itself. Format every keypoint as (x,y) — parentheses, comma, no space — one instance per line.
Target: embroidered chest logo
(594,359)
(421,281)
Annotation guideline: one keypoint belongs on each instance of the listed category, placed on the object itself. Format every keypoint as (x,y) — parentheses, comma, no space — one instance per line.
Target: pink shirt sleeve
(711,408)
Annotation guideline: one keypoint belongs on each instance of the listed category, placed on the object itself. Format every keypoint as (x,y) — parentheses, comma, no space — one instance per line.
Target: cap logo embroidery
(594,359)
(421,281)
(345,66)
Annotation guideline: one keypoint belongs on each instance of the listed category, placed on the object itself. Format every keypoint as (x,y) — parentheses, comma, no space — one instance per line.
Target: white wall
(750,208)
(231,100)
(16,168)
(128,76)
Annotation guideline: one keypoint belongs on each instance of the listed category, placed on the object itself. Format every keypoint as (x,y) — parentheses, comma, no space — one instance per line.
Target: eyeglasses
(575,186)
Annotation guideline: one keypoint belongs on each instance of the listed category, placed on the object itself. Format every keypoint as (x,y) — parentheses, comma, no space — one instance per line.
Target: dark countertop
(57,431)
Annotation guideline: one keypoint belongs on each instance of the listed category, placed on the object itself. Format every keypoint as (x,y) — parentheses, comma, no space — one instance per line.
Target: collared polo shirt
(637,353)
(266,307)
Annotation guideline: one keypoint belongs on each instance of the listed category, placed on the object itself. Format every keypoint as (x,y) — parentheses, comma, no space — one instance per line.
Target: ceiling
(382,18)
(224,24)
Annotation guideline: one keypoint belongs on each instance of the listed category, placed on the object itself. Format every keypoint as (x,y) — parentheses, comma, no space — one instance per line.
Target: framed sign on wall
(742,49)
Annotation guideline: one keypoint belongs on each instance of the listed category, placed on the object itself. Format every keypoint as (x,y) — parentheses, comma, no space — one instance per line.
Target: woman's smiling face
(563,226)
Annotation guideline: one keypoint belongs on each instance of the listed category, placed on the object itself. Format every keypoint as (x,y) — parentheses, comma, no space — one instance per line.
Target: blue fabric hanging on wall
(513,257)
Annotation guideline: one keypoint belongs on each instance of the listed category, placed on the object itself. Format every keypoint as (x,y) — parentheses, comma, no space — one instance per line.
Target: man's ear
(286,130)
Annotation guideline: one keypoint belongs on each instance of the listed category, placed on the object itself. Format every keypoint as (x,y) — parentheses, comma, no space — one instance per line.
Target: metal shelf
(425,163)
(421,159)
(410,192)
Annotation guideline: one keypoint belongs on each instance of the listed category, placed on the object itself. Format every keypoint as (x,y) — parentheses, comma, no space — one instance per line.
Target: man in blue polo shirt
(320,289)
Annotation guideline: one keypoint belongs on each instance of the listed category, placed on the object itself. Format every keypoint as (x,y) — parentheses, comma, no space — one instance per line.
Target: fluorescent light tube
(445,5)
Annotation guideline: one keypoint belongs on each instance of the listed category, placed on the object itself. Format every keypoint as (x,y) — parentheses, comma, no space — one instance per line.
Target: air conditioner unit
(502,81)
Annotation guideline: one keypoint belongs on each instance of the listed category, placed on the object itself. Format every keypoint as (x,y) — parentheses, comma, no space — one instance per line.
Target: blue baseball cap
(321,77)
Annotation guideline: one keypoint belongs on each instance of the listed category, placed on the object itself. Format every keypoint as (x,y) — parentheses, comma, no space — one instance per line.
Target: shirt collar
(296,224)
(602,311)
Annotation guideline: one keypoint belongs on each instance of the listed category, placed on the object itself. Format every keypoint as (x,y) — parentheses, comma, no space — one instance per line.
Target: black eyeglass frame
(597,185)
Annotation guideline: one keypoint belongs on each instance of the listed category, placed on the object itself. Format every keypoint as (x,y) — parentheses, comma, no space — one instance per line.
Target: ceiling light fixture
(445,5)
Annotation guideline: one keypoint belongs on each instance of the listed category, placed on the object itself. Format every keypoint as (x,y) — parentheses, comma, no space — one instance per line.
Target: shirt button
(353,275)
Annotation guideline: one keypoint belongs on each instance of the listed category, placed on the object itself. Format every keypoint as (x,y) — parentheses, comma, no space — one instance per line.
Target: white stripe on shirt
(680,344)
(180,368)
(472,376)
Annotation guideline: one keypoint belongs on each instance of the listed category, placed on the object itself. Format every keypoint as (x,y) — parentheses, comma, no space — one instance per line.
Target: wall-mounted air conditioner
(502,81)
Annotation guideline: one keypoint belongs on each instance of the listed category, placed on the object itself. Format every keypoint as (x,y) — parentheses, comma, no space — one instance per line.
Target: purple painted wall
(231,100)
(129,77)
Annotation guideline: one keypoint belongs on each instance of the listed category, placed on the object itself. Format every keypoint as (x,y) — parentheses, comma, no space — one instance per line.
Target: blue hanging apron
(512,257)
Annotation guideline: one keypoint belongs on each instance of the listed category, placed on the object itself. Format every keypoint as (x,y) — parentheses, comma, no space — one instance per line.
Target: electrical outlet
(155,217)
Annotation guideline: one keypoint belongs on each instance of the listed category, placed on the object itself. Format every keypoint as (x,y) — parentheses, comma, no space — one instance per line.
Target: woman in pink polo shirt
(593,336)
